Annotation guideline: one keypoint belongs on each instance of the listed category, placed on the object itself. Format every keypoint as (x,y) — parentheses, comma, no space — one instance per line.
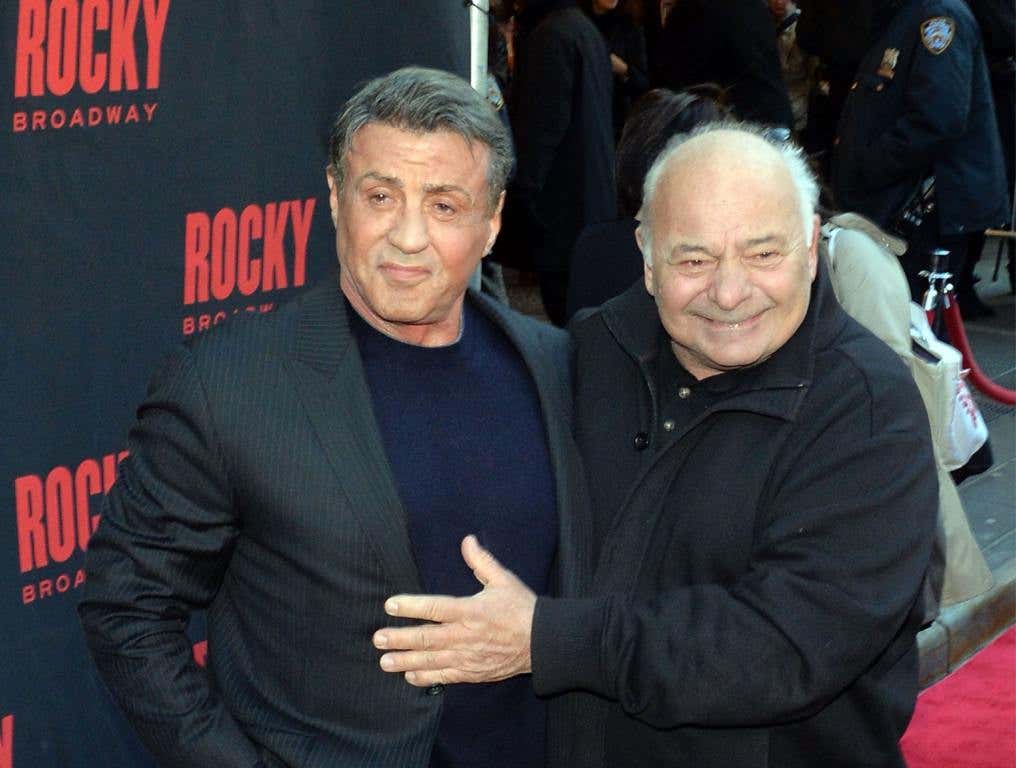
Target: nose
(409,232)
(730,285)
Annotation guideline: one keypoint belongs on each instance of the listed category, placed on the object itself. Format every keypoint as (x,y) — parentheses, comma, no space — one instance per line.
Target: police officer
(921,106)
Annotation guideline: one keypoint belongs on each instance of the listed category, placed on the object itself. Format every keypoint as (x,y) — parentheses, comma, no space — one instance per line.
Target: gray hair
(423,100)
(801,175)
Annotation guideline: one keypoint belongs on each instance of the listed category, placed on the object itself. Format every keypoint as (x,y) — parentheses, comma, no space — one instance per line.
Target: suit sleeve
(937,100)
(836,571)
(159,553)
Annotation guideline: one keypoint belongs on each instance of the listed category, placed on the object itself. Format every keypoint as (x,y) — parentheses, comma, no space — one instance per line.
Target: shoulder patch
(937,33)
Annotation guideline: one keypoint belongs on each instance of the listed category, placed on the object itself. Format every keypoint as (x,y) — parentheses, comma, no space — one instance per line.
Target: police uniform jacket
(755,597)
(921,106)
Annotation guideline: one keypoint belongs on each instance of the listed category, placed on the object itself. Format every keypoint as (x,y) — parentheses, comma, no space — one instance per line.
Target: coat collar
(632,319)
(329,376)
(324,338)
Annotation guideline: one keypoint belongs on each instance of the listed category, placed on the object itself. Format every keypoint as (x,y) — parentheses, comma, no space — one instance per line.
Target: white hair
(801,175)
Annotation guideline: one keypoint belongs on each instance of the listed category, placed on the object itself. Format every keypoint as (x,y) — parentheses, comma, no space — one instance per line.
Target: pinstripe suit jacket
(257,487)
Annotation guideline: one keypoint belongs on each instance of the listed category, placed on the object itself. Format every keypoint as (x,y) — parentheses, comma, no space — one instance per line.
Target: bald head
(729,156)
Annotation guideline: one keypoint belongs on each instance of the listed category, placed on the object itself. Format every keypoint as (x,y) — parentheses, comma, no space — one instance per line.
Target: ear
(333,195)
(495,224)
(813,247)
(647,263)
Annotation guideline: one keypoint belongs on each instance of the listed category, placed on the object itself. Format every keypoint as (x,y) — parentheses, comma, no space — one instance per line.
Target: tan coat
(870,285)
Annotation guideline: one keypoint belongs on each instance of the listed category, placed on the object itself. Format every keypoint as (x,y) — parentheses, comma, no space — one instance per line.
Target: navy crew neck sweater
(464,435)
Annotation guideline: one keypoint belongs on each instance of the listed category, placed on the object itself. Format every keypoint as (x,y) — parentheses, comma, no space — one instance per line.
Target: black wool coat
(561,115)
(755,595)
(731,43)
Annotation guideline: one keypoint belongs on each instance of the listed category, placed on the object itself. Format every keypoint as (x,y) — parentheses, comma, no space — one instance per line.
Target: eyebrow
(692,248)
(430,189)
(770,238)
(382,178)
(441,189)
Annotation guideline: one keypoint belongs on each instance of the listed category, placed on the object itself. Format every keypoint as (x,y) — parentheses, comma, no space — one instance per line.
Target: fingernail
(386,662)
(411,676)
(392,607)
(381,640)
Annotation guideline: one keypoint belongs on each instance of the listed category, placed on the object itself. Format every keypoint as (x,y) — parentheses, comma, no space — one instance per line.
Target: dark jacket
(258,487)
(561,115)
(997,20)
(731,43)
(915,112)
(626,40)
(837,33)
(657,54)
(755,598)
(605,263)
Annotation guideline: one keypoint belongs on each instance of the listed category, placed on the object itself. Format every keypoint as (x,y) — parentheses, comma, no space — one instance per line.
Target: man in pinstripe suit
(287,472)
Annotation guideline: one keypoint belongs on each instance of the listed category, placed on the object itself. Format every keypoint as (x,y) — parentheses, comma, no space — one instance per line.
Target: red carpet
(968,720)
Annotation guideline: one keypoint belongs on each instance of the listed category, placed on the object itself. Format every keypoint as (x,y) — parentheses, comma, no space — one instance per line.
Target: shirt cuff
(566,645)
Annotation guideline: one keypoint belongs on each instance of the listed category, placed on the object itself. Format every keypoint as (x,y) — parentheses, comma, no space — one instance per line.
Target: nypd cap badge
(937,33)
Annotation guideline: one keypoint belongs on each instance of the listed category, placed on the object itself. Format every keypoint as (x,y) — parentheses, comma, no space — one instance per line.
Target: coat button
(669,425)
(434,690)
(641,441)
(684,393)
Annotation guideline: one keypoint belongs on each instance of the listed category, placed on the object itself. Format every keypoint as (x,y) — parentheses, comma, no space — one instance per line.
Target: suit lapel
(328,375)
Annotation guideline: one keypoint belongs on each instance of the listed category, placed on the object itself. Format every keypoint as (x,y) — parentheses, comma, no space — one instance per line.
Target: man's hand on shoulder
(477,639)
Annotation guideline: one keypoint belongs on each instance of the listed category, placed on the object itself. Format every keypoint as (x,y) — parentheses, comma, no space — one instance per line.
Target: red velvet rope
(958,338)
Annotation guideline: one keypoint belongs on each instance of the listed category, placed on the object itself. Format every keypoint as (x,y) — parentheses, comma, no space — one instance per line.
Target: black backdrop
(161,168)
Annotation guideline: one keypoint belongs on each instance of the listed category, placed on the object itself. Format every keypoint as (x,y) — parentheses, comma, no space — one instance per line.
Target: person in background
(560,108)
(606,260)
(837,34)
(997,19)
(798,68)
(732,44)
(620,25)
(654,18)
(290,470)
(868,281)
(764,501)
(921,108)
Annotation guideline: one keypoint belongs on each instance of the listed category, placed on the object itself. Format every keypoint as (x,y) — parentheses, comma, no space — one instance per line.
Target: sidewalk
(989,499)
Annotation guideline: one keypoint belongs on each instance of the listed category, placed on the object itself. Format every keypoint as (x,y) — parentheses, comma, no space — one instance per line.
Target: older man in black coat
(764,498)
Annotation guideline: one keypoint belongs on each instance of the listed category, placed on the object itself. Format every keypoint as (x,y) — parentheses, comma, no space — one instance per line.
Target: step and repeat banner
(161,170)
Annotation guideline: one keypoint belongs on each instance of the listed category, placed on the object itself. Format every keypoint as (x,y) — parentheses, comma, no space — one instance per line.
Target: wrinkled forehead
(440,157)
(718,177)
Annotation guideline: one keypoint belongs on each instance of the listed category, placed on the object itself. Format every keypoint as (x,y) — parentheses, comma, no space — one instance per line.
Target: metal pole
(478,27)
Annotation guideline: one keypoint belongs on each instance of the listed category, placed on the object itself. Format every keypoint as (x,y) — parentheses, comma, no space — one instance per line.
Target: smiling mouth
(737,325)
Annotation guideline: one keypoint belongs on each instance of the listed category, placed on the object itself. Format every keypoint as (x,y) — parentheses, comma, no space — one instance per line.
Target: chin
(738,361)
